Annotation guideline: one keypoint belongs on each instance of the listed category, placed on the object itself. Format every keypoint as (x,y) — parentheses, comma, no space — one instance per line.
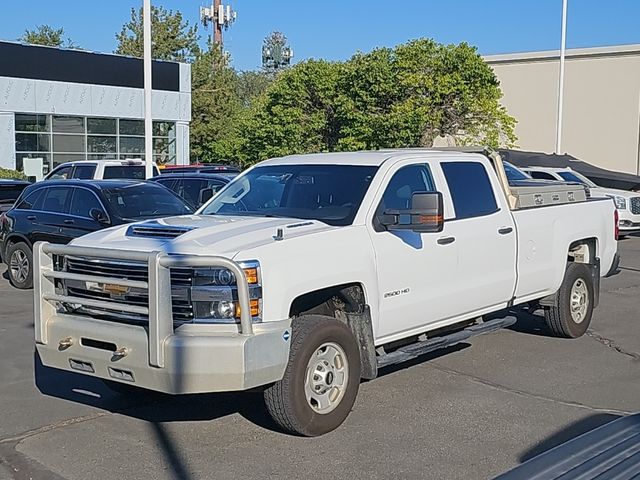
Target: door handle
(505,230)
(446,240)
(31,217)
(68,221)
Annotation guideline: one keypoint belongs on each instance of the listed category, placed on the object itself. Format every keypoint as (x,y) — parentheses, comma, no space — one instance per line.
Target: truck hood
(200,234)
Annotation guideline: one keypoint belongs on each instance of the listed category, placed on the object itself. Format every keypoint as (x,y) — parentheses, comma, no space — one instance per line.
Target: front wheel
(571,315)
(321,381)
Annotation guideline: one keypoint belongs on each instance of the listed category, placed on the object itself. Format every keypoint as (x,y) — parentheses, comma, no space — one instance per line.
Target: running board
(414,350)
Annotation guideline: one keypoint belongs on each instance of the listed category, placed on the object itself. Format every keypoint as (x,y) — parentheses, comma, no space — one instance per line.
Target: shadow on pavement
(567,433)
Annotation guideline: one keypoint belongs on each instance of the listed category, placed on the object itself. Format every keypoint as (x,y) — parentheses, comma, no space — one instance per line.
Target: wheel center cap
(329,378)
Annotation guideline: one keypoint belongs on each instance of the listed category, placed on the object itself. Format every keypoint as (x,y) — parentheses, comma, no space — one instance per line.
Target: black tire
(286,399)
(558,317)
(19,252)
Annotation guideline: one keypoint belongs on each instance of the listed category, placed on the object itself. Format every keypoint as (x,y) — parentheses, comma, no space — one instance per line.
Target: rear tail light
(616,220)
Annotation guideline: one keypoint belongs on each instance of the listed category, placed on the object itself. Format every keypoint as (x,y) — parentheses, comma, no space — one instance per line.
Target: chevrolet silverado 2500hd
(306,274)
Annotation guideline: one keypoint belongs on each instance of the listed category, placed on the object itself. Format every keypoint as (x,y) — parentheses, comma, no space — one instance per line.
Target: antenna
(220,16)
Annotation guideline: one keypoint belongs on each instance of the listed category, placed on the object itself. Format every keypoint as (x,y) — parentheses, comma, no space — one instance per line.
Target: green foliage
(11,174)
(171,35)
(215,107)
(46,35)
(391,97)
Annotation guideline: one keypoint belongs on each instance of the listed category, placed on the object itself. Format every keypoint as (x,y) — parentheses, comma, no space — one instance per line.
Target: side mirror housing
(205,195)
(426,214)
(99,216)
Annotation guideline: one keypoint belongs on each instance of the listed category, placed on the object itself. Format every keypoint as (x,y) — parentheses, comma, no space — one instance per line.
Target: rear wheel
(321,380)
(20,265)
(571,316)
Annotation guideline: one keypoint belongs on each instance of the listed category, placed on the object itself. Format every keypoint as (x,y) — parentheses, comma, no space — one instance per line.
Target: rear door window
(83,202)
(471,190)
(56,200)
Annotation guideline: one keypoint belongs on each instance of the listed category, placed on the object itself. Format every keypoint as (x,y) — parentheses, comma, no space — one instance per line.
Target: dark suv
(59,211)
(195,188)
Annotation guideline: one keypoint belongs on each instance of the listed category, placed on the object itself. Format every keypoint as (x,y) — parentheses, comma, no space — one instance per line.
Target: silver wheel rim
(326,377)
(579,302)
(19,266)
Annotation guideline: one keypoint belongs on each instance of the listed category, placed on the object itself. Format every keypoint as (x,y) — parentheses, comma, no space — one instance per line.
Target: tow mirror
(205,195)
(425,215)
(99,216)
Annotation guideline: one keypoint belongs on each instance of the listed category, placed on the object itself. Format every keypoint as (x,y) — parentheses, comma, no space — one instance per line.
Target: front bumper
(191,358)
(195,362)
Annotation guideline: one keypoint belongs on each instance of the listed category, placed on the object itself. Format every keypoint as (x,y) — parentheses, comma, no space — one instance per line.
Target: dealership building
(601,119)
(62,105)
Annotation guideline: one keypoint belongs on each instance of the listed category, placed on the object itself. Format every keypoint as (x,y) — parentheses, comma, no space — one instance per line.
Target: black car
(58,211)
(195,188)
(10,190)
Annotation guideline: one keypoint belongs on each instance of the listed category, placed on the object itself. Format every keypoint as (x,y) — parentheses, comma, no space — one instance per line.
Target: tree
(46,35)
(172,36)
(215,107)
(405,96)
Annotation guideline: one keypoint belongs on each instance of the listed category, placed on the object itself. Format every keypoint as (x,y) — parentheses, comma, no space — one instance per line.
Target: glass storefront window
(68,143)
(32,142)
(59,158)
(58,139)
(68,124)
(101,126)
(102,156)
(164,129)
(131,144)
(131,127)
(32,123)
(101,144)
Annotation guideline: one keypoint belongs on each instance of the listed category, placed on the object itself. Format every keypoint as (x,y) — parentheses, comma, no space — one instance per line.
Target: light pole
(148,123)
(563,42)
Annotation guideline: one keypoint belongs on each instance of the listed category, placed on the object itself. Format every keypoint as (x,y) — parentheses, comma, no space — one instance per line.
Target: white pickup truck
(307,273)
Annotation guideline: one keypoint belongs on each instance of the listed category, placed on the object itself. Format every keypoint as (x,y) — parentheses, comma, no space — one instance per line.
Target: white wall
(7,140)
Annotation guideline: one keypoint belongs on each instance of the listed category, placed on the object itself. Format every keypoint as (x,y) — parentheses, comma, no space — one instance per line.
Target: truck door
(485,235)
(417,272)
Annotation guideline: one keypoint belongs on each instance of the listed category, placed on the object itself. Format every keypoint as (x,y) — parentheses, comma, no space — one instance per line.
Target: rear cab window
(470,187)
(134,172)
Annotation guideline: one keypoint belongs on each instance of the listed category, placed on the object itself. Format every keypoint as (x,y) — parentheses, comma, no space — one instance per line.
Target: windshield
(576,177)
(144,200)
(329,193)
(514,173)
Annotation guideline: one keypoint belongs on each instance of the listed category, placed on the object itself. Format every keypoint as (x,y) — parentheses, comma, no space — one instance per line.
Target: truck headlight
(214,294)
(620,202)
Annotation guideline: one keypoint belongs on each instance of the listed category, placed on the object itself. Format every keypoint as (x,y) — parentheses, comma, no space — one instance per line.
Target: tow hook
(120,353)
(65,343)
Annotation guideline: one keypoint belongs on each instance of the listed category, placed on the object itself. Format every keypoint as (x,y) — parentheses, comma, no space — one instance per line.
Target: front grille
(180,278)
(635,205)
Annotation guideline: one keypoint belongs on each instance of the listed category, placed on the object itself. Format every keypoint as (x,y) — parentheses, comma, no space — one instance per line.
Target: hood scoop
(156,230)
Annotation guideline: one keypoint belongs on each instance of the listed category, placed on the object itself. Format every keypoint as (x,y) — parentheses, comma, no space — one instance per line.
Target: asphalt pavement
(471,412)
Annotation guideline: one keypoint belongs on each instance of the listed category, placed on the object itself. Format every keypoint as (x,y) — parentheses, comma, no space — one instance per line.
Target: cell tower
(276,52)
(220,16)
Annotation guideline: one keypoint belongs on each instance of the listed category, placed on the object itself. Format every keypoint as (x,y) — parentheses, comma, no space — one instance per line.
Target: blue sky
(335,29)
